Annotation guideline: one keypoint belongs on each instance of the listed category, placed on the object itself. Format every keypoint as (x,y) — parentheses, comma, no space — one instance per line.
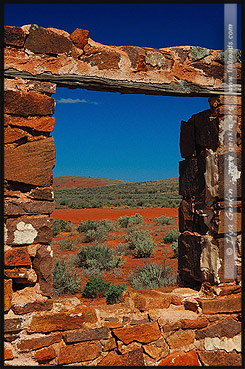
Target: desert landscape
(136,240)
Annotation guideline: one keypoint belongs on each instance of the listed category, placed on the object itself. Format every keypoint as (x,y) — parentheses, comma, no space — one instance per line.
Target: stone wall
(148,327)
(203,211)
(40,329)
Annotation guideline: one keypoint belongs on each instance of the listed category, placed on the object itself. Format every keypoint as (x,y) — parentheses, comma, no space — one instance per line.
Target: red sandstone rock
(21,275)
(87,335)
(19,207)
(79,352)
(46,193)
(220,358)
(186,216)
(227,290)
(143,333)
(26,85)
(103,60)
(12,325)
(157,351)
(40,124)
(45,354)
(8,351)
(30,103)
(180,339)
(26,231)
(80,37)
(179,358)
(41,41)
(38,342)
(49,322)
(133,358)
(223,304)
(194,323)
(39,159)
(17,257)
(225,328)
(14,36)
(43,265)
(13,134)
(33,306)
(109,344)
(8,294)
(146,299)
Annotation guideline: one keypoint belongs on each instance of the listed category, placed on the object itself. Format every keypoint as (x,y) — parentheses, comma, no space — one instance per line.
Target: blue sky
(130,137)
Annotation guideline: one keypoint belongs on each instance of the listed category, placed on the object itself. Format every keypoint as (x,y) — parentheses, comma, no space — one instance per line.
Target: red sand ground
(121,274)
(76,215)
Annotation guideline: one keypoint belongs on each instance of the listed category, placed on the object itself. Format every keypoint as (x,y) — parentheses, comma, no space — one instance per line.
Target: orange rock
(14,36)
(8,293)
(38,342)
(221,304)
(179,358)
(41,124)
(45,354)
(220,358)
(144,299)
(49,322)
(144,333)
(13,134)
(17,257)
(8,353)
(194,323)
(133,358)
(41,40)
(80,37)
(79,352)
(39,159)
(28,103)
(180,339)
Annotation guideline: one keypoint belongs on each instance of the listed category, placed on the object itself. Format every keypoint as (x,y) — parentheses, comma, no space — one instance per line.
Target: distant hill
(95,192)
(78,181)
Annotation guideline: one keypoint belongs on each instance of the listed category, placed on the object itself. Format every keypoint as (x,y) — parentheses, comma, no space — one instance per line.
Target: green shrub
(114,292)
(174,247)
(99,257)
(60,225)
(152,275)
(66,244)
(129,221)
(140,242)
(64,281)
(86,225)
(95,287)
(164,220)
(171,236)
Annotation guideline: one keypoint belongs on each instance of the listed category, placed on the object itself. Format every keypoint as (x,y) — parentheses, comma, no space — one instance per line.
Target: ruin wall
(41,329)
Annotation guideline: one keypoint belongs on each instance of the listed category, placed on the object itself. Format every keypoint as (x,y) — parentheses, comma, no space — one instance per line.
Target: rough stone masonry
(147,327)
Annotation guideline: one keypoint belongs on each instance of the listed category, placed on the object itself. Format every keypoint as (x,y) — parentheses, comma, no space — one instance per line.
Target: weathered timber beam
(178,88)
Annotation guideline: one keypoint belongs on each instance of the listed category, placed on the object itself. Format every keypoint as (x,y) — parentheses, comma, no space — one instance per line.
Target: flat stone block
(41,40)
(223,304)
(34,343)
(14,36)
(20,207)
(17,257)
(87,335)
(12,325)
(38,158)
(8,294)
(40,124)
(79,352)
(26,231)
(27,103)
(144,333)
